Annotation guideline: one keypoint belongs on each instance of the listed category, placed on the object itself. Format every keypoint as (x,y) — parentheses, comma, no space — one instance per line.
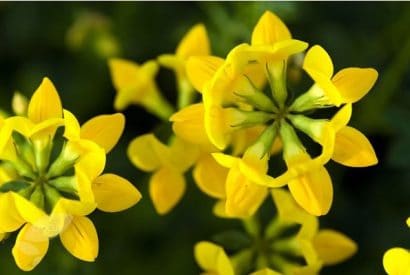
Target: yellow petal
(146,152)
(45,103)
(265,271)
(105,130)
(30,248)
(201,69)
(84,182)
(166,189)
(188,124)
(396,261)
(342,117)
(333,247)
(182,155)
(353,149)
(219,209)
(225,160)
(354,83)
(318,61)
(92,163)
(28,211)
(72,127)
(10,219)
(195,42)
(210,176)
(75,207)
(80,239)
(290,211)
(313,191)
(212,258)
(124,73)
(408,222)
(269,30)
(114,193)
(243,197)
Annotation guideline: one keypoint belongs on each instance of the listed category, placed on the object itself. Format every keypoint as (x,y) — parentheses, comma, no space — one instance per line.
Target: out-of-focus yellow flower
(317,247)
(396,261)
(194,43)
(291,243)
(50,180)
(135,84)
(234,100)
(169,163)
(19,104)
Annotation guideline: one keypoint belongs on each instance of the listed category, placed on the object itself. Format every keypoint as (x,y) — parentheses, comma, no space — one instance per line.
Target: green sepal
(232,239)
(277,79)
(52,196)
(62,164)
(291,142)
(258,99)
(14,185)
(251,118)
(37,197)
(65,184)
(242,261)
(312,127)
(24,148)
(264,141)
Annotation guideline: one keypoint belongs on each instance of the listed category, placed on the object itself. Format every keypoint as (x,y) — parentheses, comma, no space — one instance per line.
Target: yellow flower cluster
(231,138)
(51,177)
(247,92)
(285,254)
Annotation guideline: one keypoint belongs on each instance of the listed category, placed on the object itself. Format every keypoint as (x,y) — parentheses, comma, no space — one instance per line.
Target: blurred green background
(70,42)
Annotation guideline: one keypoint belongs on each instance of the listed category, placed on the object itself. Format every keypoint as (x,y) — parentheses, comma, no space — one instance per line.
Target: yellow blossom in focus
(51,179)
(236,97)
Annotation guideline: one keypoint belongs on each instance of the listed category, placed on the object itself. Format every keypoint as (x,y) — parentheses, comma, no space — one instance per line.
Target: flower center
(40,170)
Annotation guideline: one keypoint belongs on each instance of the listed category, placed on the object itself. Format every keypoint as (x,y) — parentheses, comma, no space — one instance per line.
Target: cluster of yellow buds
(51,177)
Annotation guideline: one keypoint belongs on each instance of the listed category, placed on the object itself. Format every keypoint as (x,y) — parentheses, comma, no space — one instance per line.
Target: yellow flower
(347,86)
(135,84)
(51,180)
(290,239)
(234,100)
(194,43)
(396,261)
(230,188)
(352,148)
(318,247)
(168,164)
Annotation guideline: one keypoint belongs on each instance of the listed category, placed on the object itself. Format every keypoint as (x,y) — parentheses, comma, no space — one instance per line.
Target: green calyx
(275,107)
(274,246)
(45,170)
